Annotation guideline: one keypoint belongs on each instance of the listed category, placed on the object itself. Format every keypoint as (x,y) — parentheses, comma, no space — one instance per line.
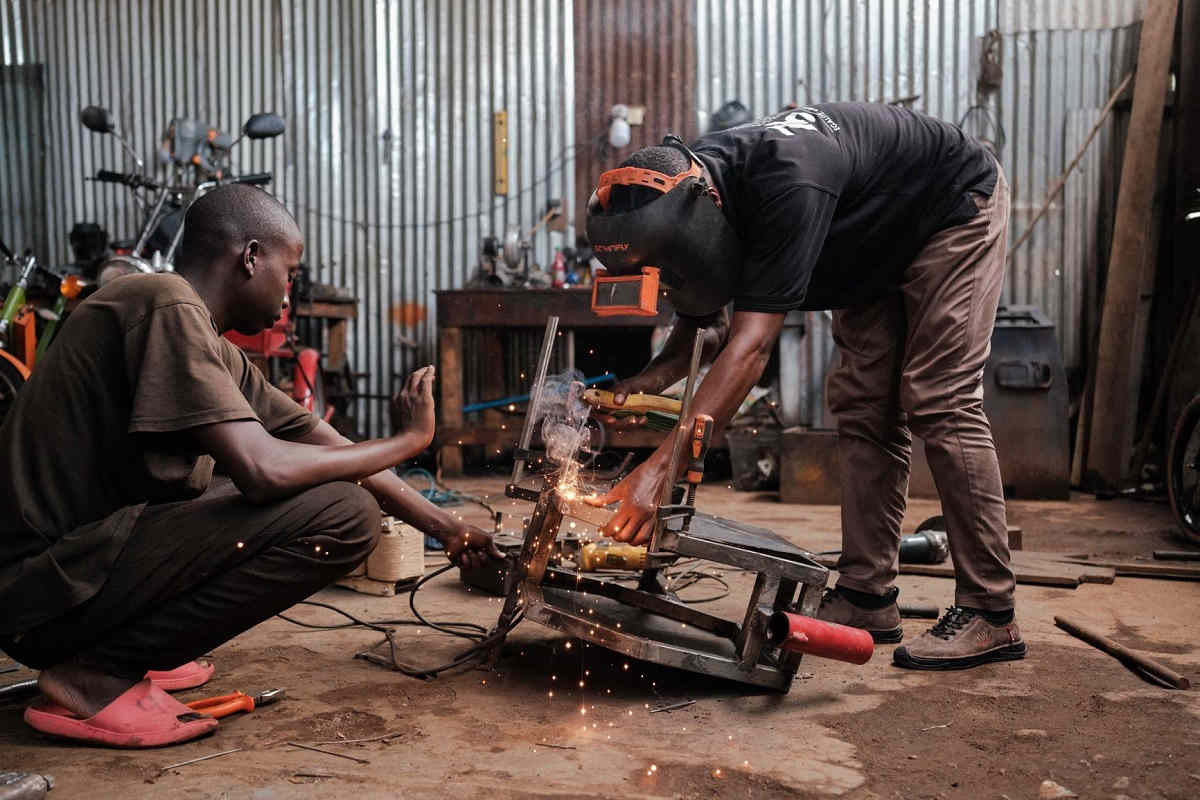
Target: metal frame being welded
(646,623)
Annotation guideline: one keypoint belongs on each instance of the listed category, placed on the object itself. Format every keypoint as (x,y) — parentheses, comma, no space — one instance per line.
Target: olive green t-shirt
(100,430)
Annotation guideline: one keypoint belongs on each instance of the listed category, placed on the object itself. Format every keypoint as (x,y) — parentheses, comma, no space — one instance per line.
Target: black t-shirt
(831,202)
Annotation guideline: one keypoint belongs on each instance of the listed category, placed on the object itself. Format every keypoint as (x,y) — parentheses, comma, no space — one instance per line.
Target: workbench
(508,310)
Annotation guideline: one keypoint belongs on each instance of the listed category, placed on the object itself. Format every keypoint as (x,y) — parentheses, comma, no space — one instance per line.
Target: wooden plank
(450,408)
(1029,574)
(1111,436)
(327,310)
(1067,576)
(335,345)
(1088,573)
(1130,569)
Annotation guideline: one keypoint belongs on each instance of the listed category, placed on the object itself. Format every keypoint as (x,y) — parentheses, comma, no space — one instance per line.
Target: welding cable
(691,578)
(686,578)
(483,639)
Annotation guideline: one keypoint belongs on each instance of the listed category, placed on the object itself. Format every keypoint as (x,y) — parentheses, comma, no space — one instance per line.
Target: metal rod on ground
(329,752)
(918,610)
(18,689)
(535,396)
(1122,653)
(1177,555)
(682,430)
(201,758)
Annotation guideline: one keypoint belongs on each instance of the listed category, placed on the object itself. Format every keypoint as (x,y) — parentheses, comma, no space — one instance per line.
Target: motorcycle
(21,344)
(1183,452)
(198,158)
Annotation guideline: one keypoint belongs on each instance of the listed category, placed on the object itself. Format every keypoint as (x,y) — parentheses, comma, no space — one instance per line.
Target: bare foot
(81,690)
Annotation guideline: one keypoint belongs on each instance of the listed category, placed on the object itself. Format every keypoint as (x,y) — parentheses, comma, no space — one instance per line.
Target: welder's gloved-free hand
(638,495)
(413,411)
(470,547)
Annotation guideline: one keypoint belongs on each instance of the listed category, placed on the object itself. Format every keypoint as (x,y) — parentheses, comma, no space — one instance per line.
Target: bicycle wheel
(12,378)
(1183,470)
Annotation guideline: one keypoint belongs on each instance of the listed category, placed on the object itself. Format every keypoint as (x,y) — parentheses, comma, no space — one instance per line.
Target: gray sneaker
(882,623)
(962,638)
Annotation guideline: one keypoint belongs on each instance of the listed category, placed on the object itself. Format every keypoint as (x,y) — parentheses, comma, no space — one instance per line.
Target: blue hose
(607,377)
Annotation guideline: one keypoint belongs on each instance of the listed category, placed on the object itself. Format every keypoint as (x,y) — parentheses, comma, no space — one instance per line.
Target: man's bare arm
(266,468)
(394,495)
(673,360)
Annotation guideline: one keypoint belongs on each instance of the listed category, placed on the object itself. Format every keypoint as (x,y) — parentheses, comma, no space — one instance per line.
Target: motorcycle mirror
(263,126)
(98,119)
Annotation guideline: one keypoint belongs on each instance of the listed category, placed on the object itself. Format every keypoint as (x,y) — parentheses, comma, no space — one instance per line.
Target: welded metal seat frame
(781,584)
(793,582)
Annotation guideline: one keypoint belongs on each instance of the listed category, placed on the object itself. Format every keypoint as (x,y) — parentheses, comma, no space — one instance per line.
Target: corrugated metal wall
(1057,79)
(387,158)
(634,53)
(1060,58)
(23,159)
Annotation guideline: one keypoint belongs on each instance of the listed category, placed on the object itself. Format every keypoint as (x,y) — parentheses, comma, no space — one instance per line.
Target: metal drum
(1026,399)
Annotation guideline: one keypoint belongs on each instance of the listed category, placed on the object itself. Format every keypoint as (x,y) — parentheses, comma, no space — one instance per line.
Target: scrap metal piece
(24,786)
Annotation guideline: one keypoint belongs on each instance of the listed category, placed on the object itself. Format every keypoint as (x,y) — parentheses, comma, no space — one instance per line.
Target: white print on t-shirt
(802,119)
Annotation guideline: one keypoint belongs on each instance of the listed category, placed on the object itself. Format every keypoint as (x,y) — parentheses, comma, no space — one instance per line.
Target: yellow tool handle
(593,556)
(634,403)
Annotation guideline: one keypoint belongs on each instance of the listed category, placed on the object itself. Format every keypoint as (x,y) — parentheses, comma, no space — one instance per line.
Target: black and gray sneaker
(962,638)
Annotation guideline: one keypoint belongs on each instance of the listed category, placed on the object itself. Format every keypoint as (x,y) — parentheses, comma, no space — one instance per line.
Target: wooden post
(1116,393)
(450,413)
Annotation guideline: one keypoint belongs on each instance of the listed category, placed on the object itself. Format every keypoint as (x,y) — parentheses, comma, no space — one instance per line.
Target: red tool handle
(223,706)
(818,638)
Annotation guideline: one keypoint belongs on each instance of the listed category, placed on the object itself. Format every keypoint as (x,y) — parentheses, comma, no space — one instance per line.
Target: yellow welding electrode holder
(611,555)
(634,403)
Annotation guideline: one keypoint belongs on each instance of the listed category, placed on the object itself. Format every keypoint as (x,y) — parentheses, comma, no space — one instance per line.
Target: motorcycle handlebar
(126,178)
(254,178)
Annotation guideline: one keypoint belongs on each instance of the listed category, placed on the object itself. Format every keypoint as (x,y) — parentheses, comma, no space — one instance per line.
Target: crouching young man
(122,555)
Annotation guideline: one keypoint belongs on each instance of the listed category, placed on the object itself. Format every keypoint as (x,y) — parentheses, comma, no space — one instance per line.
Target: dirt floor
(1067,713)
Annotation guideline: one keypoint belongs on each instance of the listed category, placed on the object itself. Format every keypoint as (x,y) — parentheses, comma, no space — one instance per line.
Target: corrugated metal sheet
(23,159)
(387,158)
(1017,16)
(1058,57)
(638,54)
(1052,81)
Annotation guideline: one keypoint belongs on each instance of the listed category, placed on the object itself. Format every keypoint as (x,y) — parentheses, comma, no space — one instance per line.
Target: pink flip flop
(143,716)
(189,676)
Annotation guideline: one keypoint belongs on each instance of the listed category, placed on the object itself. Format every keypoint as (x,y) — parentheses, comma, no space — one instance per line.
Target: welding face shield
(682,232)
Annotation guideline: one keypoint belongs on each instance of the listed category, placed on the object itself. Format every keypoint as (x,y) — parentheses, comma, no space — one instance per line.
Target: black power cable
(484,640)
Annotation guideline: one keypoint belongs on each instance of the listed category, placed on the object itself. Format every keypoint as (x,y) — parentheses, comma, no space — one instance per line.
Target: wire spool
(398,558)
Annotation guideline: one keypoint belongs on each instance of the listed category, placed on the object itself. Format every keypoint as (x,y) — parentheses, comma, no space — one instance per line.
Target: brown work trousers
(196,573)
(913,361)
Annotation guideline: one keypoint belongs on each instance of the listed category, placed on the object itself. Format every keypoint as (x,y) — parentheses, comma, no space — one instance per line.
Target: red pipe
(818,638)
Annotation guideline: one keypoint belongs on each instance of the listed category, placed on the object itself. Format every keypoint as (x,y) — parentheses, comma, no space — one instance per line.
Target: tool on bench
(647,622)
(228,704)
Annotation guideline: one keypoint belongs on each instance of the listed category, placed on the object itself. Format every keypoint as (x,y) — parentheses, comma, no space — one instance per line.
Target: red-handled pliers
(228,704)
